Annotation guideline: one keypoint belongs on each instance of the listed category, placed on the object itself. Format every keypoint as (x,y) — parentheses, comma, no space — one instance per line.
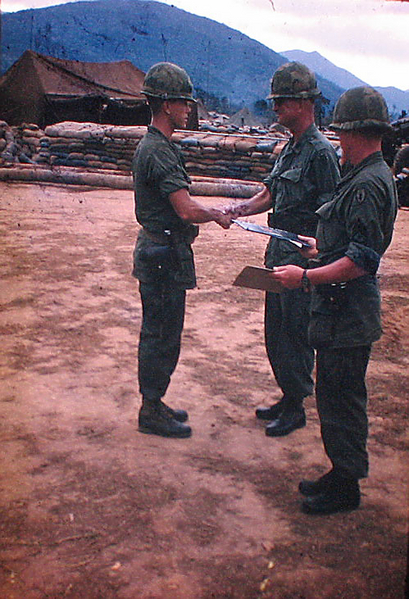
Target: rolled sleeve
(173,182)
(270,182)
(167,172)
(364,257)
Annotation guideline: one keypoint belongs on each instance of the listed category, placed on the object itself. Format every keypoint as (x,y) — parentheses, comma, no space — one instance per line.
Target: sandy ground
(90,508)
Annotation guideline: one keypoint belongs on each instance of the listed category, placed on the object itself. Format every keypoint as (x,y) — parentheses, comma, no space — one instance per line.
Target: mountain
(221,61)
(325,68)
(396,99)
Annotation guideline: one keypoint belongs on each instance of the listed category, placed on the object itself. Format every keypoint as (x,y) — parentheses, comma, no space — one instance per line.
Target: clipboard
(256,277)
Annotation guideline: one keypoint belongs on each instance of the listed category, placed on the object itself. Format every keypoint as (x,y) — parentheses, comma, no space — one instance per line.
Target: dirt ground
(90,508)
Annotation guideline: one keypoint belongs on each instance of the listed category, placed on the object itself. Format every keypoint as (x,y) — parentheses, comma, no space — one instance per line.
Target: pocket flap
(293,175)
(326,210)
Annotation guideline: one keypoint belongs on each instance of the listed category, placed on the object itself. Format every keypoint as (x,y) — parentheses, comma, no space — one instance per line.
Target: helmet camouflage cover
(294,80)
(361,109)
(168,81)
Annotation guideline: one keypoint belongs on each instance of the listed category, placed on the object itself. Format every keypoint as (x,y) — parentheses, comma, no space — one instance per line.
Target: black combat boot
(291,418)
(155,418)
(335,492)
(310,488)
(272,412)
(179,415)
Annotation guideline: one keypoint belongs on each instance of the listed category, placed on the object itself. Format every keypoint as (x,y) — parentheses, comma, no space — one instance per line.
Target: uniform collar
(156,131)
(371,159)
(297,146)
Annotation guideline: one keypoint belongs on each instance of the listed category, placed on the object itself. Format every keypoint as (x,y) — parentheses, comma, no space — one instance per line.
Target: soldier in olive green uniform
(303,178)
(354,230)
(163,257)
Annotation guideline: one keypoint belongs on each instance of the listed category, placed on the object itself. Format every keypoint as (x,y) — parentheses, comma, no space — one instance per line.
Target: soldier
(163,258)
(303,178)
(354,230)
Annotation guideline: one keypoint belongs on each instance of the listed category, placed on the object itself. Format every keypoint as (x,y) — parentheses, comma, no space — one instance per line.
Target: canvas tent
(45,90)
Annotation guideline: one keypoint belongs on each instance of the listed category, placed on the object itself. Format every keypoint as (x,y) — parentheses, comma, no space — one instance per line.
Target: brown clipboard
(255,277)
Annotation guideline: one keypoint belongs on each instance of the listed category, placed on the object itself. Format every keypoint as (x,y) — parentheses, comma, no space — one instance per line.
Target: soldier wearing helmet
(361,109)
(168,81)
(303,178)
(163,258)
(294,80)
(354,230)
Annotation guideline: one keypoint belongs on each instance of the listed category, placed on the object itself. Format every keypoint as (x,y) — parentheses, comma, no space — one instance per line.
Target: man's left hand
(289,276)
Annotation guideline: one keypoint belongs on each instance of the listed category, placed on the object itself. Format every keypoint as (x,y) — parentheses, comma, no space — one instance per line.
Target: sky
(369,38)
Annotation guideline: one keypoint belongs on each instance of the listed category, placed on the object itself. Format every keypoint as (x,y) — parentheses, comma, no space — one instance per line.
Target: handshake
(224,215)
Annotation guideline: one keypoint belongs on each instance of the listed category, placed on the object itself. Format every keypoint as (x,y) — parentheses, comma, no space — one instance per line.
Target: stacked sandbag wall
(229,156)
(94,148)
(22,144)
(89,146)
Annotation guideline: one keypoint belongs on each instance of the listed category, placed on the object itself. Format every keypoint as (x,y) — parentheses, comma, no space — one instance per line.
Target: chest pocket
(293,175)
(287,189)
(330,229)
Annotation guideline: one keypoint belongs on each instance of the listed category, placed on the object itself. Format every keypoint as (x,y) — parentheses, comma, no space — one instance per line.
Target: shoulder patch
(360,195)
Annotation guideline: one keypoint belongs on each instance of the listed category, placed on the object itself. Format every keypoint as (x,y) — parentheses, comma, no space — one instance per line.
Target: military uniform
(345,318)
(163,259)
(304,177)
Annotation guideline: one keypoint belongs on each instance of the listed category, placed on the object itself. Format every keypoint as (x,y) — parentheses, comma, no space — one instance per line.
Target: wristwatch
(305,282)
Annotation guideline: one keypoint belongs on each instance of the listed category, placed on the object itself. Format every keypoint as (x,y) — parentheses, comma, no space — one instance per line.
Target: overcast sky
(369,38)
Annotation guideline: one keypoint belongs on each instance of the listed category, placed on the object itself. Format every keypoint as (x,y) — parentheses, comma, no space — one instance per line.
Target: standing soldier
(303,178)
(354,230)
(163,258)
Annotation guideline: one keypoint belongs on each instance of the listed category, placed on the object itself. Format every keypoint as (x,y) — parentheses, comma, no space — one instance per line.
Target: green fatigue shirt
(303,178)
(158,169)
(358,223)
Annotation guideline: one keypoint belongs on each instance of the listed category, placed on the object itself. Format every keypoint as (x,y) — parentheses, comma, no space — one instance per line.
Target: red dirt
(90,508)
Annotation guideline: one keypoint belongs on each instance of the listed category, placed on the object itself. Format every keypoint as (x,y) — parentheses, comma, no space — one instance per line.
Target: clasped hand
(225,215)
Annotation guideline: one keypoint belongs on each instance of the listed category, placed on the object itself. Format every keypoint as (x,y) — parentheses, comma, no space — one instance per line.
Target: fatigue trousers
(341,402)
(163,306)
(286,338)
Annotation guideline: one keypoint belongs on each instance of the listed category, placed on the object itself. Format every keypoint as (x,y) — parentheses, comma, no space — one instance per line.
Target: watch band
(305,282)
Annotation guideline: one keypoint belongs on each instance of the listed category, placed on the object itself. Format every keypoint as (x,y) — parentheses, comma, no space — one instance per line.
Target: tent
(45,90)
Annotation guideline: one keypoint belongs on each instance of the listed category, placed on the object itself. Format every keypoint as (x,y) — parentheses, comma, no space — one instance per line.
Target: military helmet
(294,80)
(361,109)
(168,81)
